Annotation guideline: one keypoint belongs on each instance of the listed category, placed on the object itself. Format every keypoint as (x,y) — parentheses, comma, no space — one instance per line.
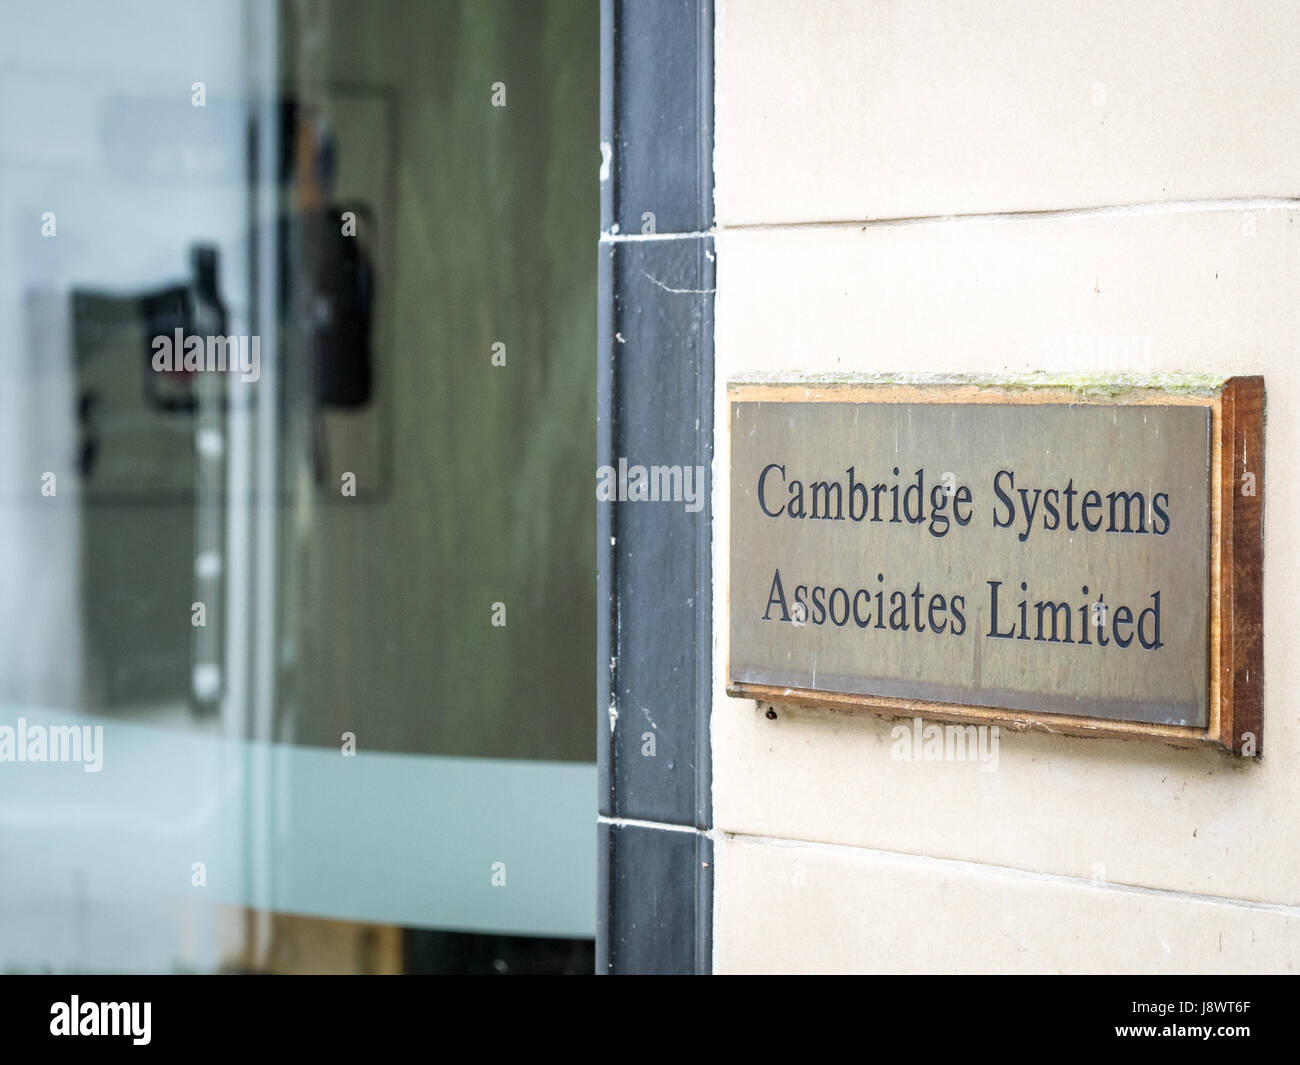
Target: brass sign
(1076,559)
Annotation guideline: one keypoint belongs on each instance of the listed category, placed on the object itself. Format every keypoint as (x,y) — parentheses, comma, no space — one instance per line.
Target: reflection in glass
(334,604)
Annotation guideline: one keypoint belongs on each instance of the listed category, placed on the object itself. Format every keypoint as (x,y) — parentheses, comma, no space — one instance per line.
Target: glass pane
(298,323)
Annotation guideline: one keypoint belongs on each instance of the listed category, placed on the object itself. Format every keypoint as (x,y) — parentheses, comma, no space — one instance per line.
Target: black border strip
(656,269)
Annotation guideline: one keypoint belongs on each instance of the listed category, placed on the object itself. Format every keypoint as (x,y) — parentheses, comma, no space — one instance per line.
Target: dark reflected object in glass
(335,275)
(468,954)
(181,311)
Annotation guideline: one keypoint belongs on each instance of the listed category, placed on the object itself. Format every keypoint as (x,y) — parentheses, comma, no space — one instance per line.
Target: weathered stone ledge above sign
(1079,554)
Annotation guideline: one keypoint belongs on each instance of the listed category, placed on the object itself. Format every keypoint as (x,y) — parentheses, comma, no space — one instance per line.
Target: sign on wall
(1078,559)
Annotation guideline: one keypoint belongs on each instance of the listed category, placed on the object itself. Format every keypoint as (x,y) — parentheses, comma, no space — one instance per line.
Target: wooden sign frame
(1236,633)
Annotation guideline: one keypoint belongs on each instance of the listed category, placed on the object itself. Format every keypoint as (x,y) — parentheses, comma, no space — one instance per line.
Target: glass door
(297,327)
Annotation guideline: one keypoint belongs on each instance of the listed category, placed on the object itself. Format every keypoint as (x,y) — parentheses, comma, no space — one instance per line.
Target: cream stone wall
(1007,187)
